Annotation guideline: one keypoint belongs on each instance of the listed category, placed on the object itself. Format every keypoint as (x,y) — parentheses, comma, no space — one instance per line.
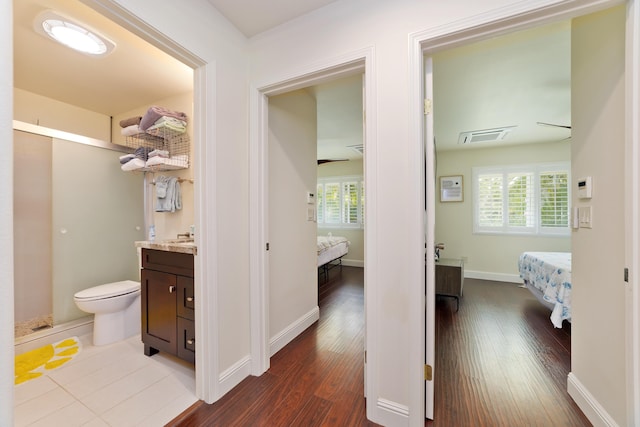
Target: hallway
(317,379)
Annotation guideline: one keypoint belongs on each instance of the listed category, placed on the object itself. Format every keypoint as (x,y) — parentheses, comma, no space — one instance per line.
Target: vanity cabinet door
(159,297)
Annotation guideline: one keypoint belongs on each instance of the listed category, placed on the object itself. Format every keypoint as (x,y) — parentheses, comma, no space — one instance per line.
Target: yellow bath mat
(34,363)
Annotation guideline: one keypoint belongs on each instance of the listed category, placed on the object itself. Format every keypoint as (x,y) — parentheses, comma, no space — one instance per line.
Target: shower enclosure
(76,217)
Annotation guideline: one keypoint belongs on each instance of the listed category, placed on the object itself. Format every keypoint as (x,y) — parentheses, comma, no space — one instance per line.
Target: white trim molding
(588,404)
(514,17)
(357,62)
(392,413)
(496,277)
(232,376)
(632,208)
(208,387)
(287,335)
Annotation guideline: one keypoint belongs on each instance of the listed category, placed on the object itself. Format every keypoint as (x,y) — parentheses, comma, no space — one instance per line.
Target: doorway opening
(261,288)
(436,41)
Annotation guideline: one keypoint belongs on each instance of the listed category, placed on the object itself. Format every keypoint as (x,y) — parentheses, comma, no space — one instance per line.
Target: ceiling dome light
(72,35)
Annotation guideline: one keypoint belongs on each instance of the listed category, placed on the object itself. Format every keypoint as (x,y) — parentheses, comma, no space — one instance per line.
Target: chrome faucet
(185,235)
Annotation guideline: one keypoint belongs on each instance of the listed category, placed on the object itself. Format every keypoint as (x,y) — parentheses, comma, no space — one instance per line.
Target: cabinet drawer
(186,340)
(185,297)
(169,262)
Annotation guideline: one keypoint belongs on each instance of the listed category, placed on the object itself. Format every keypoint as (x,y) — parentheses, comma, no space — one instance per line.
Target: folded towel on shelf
(180,161)
(142,153)
(124,159)
(155,112)
(159,153)
(130,121)
(131,130)
(165,123)
(170,198)
(133,164)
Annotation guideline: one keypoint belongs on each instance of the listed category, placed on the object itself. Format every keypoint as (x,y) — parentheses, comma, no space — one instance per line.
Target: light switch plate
(584,216)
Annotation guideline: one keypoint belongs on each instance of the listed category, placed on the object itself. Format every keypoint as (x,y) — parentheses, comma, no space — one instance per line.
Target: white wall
(50,113)
(490,256)
(598,363)
(6,213)
(324,36)
(292,238)
(355,257)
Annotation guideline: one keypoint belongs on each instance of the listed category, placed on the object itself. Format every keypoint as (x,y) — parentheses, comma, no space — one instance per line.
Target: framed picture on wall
(451,188)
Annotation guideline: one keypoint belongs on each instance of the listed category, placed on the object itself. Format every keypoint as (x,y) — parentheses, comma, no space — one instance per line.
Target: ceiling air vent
(485,135)
(359,148)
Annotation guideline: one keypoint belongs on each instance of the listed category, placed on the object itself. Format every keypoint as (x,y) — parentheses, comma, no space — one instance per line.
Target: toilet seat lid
(109,290)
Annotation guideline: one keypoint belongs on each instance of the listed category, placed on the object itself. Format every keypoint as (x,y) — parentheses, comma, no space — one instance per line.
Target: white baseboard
(498,277)
(391,413)
(285,336)
(353,263)
(588,404)
(234,375)
(41,338)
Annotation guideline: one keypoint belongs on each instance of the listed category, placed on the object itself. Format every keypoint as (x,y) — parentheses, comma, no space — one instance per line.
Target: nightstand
(450,278)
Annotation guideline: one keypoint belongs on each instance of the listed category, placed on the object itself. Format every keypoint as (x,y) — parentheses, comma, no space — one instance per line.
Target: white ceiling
(514,80)
(255,16)
(134,74)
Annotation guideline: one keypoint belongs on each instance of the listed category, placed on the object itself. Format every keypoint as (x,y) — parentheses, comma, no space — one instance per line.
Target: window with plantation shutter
(340,202)
(349,203)
(362,203)
(526,199)
(332,203)
(320,203)
(554,200)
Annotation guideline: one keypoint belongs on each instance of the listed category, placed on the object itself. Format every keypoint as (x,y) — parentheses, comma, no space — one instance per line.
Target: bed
(331,249)
(548,276)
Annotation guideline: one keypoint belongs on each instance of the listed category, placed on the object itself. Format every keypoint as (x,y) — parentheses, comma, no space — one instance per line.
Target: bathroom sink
(179,241)
(184,245)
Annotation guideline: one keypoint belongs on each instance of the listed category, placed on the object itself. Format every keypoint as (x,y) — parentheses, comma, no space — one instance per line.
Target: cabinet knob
(191,341)
(172,289)
(190,299)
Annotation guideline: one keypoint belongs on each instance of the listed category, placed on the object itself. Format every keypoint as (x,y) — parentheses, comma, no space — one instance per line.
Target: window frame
(536,170)
(340,181)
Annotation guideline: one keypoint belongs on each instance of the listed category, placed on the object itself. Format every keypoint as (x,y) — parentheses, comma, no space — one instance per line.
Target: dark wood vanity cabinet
(168,303)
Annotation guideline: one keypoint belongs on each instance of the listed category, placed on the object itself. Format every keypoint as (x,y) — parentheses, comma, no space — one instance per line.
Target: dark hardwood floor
(499,362)
(316,380)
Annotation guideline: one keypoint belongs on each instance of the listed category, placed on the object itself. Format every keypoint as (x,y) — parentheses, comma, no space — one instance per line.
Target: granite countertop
(185,246)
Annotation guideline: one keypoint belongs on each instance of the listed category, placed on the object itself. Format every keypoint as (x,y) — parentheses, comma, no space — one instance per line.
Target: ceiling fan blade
(553,125)
(323,161)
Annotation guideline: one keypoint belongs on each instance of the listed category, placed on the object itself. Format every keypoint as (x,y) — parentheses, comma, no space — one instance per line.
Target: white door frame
(517,17)
(208,384)
(353,63)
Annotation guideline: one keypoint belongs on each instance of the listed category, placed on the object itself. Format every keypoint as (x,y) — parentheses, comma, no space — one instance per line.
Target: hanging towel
(161,187)
(168,199)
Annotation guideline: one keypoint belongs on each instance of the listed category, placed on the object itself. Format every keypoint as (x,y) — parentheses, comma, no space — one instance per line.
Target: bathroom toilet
(116,307)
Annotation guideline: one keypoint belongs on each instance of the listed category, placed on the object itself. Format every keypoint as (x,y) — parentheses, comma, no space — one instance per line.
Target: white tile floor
(111,385)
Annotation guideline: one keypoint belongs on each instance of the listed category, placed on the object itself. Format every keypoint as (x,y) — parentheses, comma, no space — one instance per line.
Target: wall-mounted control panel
(311,198)
(584,188)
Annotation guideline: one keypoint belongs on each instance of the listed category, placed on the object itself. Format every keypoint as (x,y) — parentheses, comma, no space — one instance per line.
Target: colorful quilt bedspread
(550,272)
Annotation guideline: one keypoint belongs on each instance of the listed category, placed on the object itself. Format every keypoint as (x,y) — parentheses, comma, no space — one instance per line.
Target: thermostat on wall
(584,188)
